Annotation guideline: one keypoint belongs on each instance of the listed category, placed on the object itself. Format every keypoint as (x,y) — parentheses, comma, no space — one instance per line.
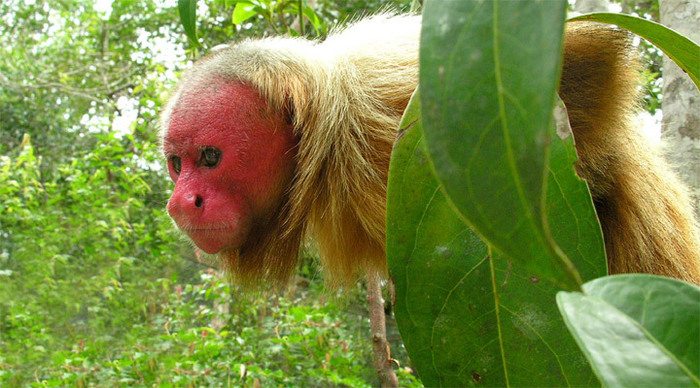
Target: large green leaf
(680,49)
(188,18)
(489,73)
(637,330)
(466,315)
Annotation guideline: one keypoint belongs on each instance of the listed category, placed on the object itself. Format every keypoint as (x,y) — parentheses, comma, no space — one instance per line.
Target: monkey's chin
(213,241)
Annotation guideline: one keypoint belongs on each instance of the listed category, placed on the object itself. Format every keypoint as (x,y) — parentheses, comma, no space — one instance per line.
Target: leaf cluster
(489,226)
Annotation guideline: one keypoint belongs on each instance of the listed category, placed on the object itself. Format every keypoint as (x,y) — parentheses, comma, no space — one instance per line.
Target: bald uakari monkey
(270,141)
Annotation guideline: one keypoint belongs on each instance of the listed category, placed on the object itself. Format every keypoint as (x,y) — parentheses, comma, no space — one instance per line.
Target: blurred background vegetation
(96,286)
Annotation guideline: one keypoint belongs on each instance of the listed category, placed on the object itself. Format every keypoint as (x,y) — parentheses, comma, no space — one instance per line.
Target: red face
(231,161)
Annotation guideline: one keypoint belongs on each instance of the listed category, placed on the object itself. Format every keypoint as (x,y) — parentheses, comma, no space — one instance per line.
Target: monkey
(272,140)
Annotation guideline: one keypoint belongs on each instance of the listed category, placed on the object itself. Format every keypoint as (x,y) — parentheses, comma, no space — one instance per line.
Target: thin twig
(382,353)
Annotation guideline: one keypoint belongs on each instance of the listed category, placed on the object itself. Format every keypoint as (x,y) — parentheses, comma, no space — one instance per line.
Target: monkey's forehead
(231,98)
(226,109)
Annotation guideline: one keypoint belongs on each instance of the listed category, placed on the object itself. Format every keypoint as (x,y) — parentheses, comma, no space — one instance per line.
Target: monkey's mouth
(213,240)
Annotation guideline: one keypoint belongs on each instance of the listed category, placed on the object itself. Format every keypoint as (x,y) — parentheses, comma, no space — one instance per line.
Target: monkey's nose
(192,201)
(185,205)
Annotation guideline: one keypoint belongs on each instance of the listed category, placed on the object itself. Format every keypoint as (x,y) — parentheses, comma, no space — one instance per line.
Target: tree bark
(382,353)
(680,125)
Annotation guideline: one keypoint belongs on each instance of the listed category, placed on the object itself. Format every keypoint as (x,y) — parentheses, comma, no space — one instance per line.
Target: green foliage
(488,127)
(281,16)
(503,171)
(92,292)
(637,330)
(237,19)
(255,18)
(294,341)
(479,159)
(63,64)
(73,243)
(487,314)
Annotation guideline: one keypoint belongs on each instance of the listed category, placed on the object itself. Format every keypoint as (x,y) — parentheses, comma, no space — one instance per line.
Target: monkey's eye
(210,156)
(177,163)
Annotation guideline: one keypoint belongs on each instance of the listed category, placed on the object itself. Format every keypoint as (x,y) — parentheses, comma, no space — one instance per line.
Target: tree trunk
(680,126)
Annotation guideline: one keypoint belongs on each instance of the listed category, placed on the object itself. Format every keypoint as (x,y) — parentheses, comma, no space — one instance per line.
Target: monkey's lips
(213,240)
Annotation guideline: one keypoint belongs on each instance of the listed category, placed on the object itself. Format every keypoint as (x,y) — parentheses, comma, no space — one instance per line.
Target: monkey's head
(231,159)
(265,150)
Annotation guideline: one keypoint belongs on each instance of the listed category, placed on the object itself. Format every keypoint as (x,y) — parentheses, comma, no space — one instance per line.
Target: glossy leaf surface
(489,73)
(466,315)
(637,330)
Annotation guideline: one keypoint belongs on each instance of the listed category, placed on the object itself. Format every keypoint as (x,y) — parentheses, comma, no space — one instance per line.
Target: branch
(382,353)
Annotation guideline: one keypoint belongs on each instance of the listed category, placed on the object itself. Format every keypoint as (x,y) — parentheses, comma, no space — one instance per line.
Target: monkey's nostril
(198,201)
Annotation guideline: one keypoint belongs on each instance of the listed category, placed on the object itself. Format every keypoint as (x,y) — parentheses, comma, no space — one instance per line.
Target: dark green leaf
(469,314)
(680,49)
(637,330)
(466,317)
(188,18)
(489,73)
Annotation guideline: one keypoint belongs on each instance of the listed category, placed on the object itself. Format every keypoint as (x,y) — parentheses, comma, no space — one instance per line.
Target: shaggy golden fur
(345,97)
(645,212)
